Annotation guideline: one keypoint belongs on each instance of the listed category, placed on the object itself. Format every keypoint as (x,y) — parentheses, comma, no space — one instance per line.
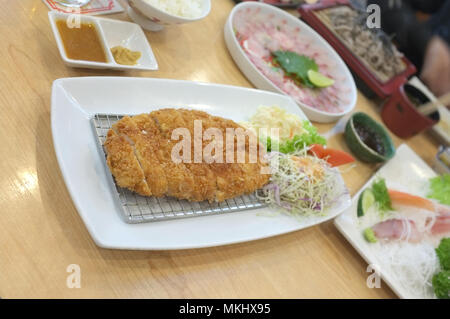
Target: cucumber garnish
(365,201)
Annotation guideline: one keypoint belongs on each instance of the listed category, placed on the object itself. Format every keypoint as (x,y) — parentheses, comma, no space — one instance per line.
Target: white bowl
(111,33)
(153,19)
(273,14)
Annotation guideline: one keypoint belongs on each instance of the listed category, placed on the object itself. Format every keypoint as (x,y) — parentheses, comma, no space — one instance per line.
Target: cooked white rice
(181,8)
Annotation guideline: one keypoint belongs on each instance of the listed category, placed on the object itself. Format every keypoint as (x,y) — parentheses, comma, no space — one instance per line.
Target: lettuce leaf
(298,142)
(440,189)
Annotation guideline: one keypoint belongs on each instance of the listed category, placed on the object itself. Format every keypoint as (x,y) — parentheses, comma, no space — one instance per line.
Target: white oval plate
(406,172)
(260,81)
(76,100)
(112,33)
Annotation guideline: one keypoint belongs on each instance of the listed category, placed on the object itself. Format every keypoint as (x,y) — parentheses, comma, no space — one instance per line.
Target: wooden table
(41,233)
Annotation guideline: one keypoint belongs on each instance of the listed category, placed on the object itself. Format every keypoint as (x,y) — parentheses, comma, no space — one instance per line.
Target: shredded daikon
(412,265)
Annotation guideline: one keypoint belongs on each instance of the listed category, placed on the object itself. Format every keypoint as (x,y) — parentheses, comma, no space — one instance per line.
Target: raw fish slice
(442,224)
(402,198)
(435,223)
(397,229)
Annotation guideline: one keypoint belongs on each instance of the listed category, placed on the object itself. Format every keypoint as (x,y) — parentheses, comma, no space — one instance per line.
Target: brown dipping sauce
(369,138)
(81,43)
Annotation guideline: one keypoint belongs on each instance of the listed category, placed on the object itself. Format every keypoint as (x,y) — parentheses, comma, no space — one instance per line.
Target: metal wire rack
(140,209)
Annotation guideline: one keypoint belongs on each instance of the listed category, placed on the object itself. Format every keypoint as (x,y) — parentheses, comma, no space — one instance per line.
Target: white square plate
(406,172)
(111,33)
(76,100)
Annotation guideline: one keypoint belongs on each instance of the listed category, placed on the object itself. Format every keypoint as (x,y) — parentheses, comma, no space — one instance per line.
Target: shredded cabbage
(301,184)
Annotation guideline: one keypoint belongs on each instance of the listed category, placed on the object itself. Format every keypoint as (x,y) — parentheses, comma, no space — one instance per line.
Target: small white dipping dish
(264,14)
(111,33)
(153,19)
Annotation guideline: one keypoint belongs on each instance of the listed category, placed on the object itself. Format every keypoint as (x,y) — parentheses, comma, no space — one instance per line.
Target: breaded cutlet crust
(139,152)
(124,165)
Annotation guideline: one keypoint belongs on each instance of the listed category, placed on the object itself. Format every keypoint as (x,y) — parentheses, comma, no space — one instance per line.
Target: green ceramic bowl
(357,146)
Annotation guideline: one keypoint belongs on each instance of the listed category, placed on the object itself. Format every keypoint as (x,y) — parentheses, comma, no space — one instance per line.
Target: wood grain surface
(41,233)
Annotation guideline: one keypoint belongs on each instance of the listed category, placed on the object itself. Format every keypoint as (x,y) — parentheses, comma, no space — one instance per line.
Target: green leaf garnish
(298,142)
(443,253)
(441,284)
(381,195)
(296,66)
(440,189)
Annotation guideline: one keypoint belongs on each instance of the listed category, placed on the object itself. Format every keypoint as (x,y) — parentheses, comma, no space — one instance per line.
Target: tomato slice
(332,156)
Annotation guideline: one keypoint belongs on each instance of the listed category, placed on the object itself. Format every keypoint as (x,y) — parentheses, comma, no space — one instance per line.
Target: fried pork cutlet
(139,155)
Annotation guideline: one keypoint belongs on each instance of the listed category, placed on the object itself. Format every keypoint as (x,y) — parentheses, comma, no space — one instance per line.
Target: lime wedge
(319,79)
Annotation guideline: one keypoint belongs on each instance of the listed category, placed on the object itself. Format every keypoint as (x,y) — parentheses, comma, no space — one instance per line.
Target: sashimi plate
(406,172)
(76,100)
(254,30)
